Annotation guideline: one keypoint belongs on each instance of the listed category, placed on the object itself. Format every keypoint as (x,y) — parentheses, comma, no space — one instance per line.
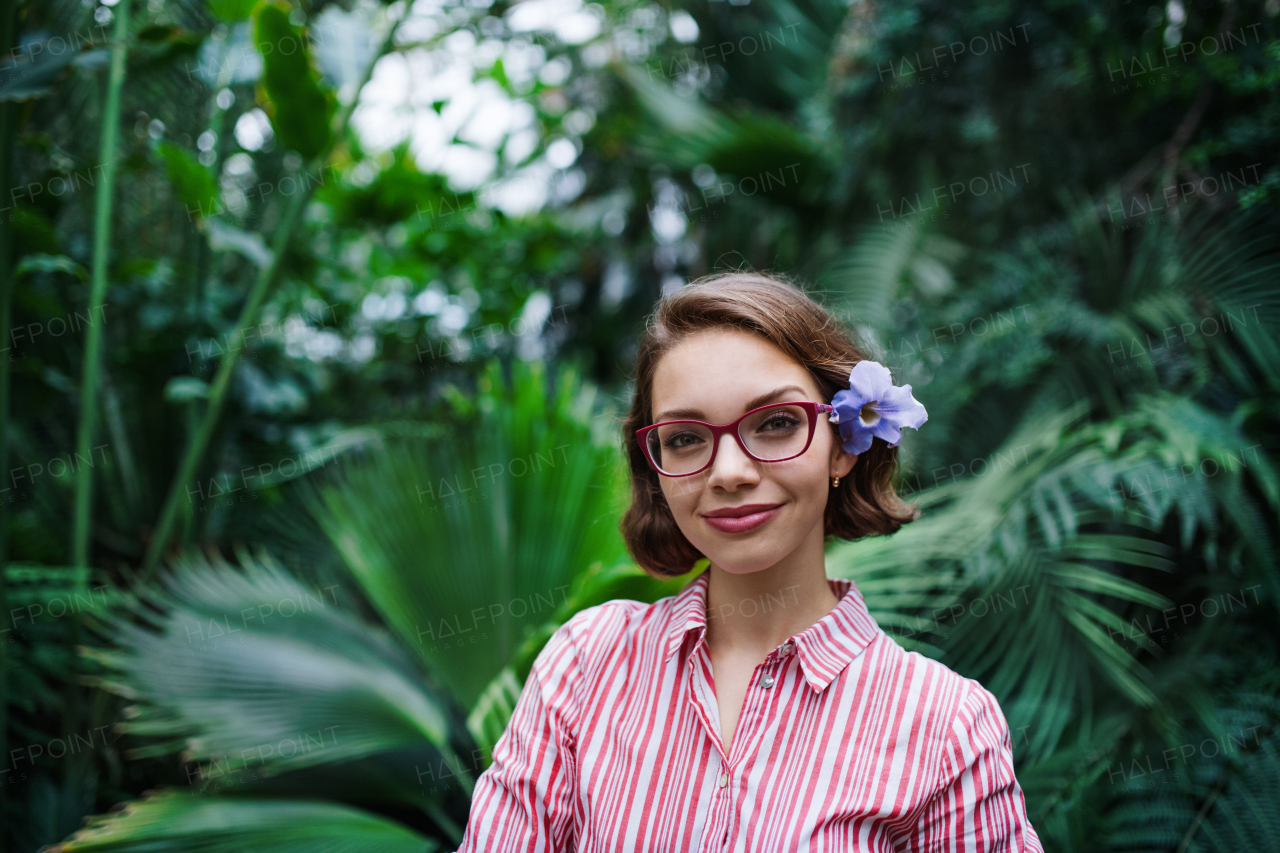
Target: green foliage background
(321,362)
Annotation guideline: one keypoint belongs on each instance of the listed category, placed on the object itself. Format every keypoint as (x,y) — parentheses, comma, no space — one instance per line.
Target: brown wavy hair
(864,504)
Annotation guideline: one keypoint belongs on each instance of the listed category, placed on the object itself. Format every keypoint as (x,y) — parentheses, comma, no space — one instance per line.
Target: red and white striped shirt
(845,742)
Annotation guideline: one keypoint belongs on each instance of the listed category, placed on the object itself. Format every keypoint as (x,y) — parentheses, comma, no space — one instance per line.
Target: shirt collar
(825,648)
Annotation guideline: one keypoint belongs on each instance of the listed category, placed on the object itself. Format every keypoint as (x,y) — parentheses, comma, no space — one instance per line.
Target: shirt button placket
(727,805)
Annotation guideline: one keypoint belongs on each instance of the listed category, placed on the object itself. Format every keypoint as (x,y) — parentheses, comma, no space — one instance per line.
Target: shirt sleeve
(979,806)
(523,801)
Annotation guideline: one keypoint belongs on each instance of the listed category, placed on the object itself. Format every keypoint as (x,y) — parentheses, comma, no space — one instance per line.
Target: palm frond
(248,668)
(43,601)
(686,132)
(184,823)
(464,547)
(1209,790)
(1055,546)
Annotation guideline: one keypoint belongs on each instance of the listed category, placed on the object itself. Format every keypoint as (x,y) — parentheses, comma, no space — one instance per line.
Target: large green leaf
(37,72)
(194,183)
(467,544)
(1016,576)
(232,10)
(300,109)
(184,823)
(785,163)
(247,668)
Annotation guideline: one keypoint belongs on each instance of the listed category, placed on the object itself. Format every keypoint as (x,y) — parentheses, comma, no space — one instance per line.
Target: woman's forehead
(722,370)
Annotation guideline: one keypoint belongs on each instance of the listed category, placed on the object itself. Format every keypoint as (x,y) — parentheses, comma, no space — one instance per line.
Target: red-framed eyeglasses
(772,433)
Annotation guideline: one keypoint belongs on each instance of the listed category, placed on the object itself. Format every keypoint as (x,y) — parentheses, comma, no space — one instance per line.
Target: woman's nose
(731,465)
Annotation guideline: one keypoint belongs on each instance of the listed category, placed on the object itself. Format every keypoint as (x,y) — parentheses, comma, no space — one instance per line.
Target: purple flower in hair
(873,407)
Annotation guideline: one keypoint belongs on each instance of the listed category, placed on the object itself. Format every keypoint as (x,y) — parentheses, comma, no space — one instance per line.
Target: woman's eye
(779,422)
(680,440)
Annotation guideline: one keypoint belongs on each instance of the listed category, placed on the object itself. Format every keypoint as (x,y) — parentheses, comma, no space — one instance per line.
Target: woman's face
(716,376)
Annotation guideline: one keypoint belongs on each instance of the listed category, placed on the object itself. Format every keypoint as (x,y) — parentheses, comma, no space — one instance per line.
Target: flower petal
(902,408)
(871,382)
(856,438)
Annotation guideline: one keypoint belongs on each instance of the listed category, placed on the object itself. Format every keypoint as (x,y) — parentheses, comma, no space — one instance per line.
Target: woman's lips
(743,523)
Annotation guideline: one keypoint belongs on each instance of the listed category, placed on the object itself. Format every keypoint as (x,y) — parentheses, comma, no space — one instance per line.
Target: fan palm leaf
(184,823)
(1043,545)
(465,545)
(248,668)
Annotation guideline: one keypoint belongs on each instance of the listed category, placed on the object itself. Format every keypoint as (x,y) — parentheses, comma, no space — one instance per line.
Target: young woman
(762,708)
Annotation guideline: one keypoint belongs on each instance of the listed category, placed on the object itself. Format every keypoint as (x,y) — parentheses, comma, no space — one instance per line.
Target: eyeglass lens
(776,432)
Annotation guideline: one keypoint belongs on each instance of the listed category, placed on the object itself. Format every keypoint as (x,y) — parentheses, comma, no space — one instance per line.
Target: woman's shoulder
(946,701)
(615,624)
(607,620)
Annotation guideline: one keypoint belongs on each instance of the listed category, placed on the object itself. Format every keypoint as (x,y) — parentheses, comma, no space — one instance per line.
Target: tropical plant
(1057,560)
(1104,332)
(280,694)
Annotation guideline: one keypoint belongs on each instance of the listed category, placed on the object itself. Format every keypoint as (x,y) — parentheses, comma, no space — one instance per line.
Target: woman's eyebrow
(696,414)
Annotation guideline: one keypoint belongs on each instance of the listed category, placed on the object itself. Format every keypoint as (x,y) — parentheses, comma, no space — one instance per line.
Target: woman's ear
(842,461)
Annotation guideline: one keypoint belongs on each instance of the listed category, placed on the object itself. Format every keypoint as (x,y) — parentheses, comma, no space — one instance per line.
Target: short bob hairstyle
(865,504)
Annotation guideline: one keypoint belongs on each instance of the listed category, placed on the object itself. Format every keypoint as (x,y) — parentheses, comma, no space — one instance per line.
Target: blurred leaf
(194,183)
(300,110)
(34,77)
(182,823)
(42,601)
(232,10)
(515,506)
(158,46)
(489,718)
(224,237)
(50,263)
(184,389)
(248,668)
(785,164)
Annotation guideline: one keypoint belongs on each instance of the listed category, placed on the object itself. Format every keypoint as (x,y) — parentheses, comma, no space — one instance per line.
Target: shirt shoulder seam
(972,689)
(585,620)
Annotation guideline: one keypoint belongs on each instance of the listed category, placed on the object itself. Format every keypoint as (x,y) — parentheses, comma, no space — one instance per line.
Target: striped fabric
(857,745)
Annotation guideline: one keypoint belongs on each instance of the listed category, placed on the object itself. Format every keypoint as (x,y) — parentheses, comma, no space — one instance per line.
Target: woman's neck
(758,611)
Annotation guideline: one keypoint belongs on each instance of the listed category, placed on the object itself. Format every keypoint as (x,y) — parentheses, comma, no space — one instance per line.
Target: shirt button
(766,680)
(787,648)
(724,779)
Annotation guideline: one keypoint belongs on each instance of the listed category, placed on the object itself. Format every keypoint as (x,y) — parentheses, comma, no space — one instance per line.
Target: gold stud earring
(835,482)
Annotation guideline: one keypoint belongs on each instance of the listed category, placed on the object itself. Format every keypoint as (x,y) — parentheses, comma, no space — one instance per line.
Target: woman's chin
(745,559)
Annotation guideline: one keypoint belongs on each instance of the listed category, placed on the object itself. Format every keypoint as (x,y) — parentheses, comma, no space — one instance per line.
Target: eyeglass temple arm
(830,410)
